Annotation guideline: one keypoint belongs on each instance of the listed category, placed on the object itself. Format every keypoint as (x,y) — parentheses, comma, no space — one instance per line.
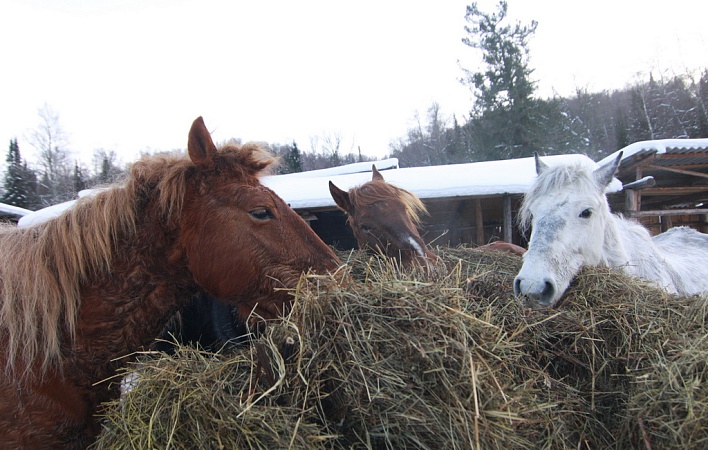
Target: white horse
(572,227)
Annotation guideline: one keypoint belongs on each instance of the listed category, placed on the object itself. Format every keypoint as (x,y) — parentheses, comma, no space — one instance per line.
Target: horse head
(243,243)
(383,218)
(568,213)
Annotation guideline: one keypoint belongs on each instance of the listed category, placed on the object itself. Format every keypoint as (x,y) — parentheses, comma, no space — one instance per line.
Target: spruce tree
(20,182)
(292,160)
(503,115)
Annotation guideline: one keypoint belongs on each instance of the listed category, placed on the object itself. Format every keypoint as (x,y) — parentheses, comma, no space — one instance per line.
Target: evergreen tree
(79,181)
(292,160)
(502,118)
(106,168)
(20,182)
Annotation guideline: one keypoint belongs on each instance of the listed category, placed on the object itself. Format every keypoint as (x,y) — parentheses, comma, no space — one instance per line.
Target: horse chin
(430,262)
(275,299)
(264,307)
(537,303)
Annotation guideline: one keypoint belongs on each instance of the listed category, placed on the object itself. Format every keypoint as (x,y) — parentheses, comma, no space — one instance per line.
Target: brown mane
(380,191)
(42,268)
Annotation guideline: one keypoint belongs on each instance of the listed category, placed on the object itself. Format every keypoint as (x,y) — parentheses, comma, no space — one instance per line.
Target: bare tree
(51,142)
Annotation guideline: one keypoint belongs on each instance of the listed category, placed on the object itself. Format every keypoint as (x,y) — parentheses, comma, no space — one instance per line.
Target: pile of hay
(409,360)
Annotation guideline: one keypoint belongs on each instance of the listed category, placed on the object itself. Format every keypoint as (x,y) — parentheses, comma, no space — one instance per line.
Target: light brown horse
(384,218)
(504,247)
(99,282)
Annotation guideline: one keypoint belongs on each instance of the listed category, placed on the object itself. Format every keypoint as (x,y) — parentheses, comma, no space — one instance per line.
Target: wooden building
(677,189)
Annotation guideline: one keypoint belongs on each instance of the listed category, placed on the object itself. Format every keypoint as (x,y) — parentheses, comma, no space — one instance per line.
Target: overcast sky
(131,75)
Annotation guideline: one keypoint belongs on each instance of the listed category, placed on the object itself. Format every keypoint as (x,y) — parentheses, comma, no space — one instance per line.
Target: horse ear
(341,198)
(540,165)
(604,174)
(376,175)
(200,146)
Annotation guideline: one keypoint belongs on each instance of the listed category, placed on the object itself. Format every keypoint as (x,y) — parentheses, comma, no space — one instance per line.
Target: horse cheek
(207,264)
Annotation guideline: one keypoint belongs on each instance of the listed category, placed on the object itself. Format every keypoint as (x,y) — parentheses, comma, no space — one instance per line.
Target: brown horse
(99,282)
(383,217)
(504,247)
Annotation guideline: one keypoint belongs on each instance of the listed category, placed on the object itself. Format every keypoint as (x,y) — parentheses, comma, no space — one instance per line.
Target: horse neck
(633,250)
(124,311)
(614,252)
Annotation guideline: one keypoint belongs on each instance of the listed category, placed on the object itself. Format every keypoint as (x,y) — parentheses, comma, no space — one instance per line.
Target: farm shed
(472,203)
(678,194)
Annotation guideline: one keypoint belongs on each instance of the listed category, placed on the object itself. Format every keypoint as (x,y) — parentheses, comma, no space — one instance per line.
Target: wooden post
(479,221)
(667,223)
(630,201)
(508,224)
(638,192)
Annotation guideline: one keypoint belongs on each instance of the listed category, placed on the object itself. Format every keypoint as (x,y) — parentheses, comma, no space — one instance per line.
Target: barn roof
(679,168)
(310,190)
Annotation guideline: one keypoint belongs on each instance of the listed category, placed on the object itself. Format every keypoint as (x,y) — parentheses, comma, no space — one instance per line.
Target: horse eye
(261,214)
(586,213)
(366,229)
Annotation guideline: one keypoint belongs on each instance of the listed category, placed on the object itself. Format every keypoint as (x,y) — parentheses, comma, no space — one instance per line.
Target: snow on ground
(310,190)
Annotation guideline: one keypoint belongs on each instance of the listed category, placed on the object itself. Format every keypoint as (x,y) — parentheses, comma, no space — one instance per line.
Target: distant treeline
(595,124)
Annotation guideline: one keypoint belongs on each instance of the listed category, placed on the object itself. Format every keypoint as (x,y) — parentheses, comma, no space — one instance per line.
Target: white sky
(131,75)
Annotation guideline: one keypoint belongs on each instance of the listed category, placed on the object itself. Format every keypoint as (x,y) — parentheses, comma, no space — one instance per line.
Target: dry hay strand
(399,358)
(668,407)
(196,399)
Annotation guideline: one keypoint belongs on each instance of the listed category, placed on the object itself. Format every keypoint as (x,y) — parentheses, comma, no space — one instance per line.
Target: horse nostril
(549,291)
(517,286)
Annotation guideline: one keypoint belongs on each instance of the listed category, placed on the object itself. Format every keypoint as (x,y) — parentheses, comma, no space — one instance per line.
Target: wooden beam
(693,154)
(689,166)
(479,221)
(629,169)
(681,171)
(508,224)
(674,190)
(669,212)
(631,200)
(641,183)
(668,200)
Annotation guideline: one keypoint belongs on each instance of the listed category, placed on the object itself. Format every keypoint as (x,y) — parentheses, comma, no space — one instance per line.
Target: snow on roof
(308,190)
(658,146)
(13,210)
(512,176)
(384,164)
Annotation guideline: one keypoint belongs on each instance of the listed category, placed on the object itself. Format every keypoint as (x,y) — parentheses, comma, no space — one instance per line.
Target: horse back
(686,251)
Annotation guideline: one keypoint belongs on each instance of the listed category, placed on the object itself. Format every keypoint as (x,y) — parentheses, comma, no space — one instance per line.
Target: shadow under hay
(403,359)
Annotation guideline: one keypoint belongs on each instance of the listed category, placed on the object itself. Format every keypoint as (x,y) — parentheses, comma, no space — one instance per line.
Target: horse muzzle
(540,293)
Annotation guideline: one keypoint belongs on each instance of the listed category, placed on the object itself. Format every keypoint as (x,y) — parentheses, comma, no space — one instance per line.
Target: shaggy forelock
(578,177)
(376,191)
